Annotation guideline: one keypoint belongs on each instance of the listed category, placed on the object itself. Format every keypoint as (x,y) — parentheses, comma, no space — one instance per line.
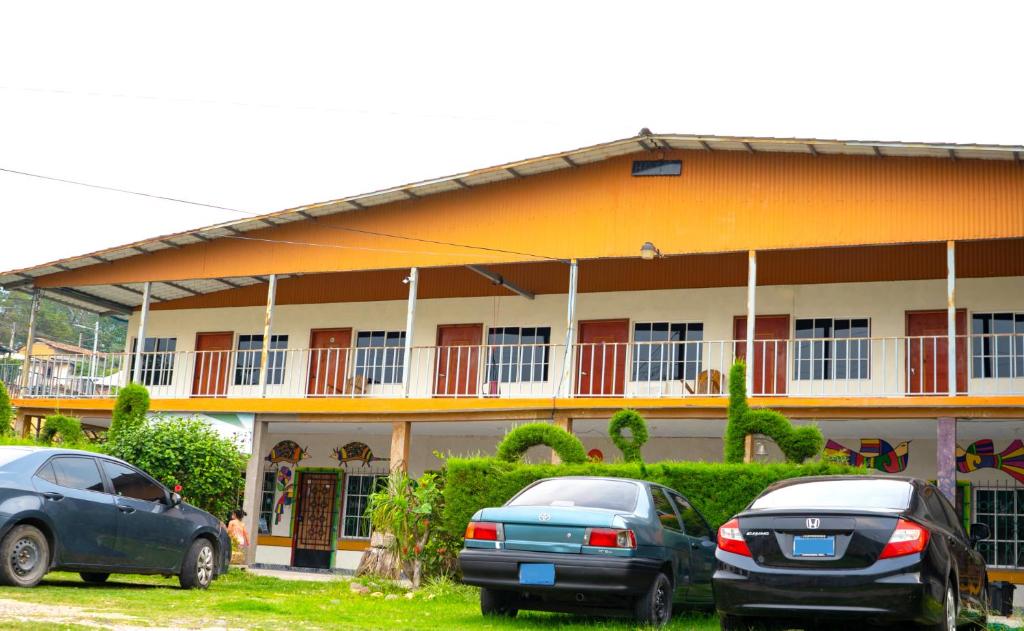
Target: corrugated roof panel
(849,150)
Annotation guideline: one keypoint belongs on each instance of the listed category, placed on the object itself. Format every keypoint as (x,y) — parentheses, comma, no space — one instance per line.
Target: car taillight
(485,531)
(908,538)
(731,539)
(610,538)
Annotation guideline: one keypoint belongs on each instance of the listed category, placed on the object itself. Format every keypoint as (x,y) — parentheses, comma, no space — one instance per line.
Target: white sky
(266,106)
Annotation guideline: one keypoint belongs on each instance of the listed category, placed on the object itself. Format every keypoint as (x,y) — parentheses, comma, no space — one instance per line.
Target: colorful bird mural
(287,451)
(874,453)
(287,491)
(981,454)
(355,451)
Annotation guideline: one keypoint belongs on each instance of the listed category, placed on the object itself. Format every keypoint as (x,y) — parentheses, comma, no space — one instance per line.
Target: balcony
(986,365)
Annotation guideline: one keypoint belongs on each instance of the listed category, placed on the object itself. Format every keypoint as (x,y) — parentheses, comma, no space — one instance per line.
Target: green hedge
(519,440)
(129,410)
(637,426)
(717,490)
(68,428)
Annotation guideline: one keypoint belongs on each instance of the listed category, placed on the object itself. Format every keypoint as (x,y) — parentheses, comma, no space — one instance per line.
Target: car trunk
(547,528)
(807,539)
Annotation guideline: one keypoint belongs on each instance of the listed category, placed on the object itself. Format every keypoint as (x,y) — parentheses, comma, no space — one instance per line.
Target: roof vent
(646,168)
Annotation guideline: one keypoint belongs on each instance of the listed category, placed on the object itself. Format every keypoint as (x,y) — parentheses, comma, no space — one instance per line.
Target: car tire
(494,602)
(732,623)
(654,607)
(199,566)
(94,577)
(24,557)
(949,613)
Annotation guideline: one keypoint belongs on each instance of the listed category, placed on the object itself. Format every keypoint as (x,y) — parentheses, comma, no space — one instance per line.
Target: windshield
(605,494)
(10,454)
(858,494)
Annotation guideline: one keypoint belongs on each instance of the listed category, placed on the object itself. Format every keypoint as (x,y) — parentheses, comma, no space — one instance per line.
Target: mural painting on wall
(353,452)
(287,451)
(981,454)
(286,490)
(874,453)
(595,455)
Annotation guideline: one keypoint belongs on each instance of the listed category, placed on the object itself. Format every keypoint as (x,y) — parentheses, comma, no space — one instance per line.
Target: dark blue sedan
(62,509)
(590,545)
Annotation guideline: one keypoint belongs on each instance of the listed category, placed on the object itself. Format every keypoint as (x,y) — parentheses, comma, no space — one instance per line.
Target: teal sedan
(597,546)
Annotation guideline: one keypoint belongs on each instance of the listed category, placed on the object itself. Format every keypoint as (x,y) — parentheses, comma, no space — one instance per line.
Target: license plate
(814,546)
(537,574)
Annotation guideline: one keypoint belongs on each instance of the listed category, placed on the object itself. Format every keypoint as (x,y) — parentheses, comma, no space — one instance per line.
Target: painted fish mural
(874,453)
(351,452)
(287,451)
(981,454)
(287,491)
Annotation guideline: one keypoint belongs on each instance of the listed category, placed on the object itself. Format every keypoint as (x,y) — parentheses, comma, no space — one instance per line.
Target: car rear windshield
(605,494)
(860,494)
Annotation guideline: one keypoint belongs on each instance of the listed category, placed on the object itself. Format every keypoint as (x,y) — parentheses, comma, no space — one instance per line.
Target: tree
(129,410)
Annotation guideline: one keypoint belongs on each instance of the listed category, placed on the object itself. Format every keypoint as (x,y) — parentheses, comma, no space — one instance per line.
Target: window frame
(992,520)
(678,499)
(113,491)
(829,345)
(988,356)
(678,367)
(376,477)
(247,361)
(681,529)
(103,478)
(272,476)
(380,372)
(154,372)
(517,367)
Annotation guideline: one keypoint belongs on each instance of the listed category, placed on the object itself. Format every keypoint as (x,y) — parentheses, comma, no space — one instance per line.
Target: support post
(410,322)
(945,457)
(30,341)
(140,337)
(951,314)
(570,331)
(253,489)
(268,325)
(564,422)
(401,434)
(751,318)
(748,448)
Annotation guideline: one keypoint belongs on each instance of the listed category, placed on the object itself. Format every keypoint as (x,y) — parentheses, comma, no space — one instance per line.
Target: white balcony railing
(829,367)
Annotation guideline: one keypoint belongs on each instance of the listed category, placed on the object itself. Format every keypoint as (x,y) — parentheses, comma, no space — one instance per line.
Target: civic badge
(813,523)
(544,517)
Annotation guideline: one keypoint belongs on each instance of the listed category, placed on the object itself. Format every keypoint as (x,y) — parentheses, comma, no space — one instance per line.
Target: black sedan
(62,509)
(862,550)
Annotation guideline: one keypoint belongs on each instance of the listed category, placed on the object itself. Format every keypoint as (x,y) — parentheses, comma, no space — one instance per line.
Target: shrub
(186,452)
(637,426)
(67,428)
(129,410)
(6,412)
(797,443)
(516,442)
(717,490)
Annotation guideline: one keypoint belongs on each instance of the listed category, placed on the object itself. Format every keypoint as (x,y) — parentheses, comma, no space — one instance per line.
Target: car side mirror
(979,531)
(173,499)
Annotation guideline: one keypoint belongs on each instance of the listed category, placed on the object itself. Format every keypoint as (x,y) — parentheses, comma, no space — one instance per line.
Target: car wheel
(655,606)
(949,613)
(94,577)
(733,623)
(197,570)
(24,557)
(495,602)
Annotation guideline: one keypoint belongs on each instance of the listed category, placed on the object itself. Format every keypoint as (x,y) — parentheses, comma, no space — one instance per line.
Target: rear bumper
(579,573)
(889,591)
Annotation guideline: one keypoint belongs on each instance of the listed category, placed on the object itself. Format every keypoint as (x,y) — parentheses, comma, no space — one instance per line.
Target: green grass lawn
(242,600)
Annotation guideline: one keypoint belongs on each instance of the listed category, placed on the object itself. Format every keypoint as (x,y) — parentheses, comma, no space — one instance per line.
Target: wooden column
(951,314)
(565,423)
(748,448)
(401,434)
(945,457)
(254,488)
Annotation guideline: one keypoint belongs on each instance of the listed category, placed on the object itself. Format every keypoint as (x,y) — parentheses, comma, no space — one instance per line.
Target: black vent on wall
(647,168)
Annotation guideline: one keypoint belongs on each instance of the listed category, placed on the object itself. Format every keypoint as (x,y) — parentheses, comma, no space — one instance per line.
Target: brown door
(601,358)
(458,359)
(328,357)
(928,352)
(213,363)
(315,516)
(770,354)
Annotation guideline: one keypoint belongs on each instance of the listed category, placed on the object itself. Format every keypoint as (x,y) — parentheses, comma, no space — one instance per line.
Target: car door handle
(128,510)
(52,495)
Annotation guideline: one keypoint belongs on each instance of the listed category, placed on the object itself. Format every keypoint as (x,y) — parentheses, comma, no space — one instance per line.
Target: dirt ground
(21,611)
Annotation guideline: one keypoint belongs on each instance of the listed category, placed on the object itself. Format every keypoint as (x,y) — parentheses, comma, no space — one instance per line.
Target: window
(997,345)
(247,361)
(666,514)
(46,473)
(355,523)
(133,484)
(604,494)
(1002,510)
(518,354)
(693,523)
(657,167)
(829,348)
(667,352)
(380,356)
(267,502)
(826,494)
(77,473)
(157,360)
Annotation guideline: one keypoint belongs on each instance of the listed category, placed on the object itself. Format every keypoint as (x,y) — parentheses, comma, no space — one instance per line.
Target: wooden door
(601,358)
(212,365)
(771,335)
(927,352)
(328,358)
(315,516)
(458,360)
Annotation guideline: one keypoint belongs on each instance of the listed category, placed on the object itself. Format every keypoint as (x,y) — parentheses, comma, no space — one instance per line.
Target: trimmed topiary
(637,426)
(67,428)
(797,443)
(129,410)
(568,447)
(6,412)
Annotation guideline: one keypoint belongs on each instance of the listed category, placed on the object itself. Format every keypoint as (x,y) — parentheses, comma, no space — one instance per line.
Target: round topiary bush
(129,409)
(630,447)
(67,428)
(514,445)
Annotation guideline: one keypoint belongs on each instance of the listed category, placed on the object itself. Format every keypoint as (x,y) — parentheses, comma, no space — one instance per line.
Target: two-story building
(877,289)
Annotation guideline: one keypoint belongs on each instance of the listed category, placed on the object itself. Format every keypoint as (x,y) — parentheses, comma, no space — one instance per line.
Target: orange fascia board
(722,202)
